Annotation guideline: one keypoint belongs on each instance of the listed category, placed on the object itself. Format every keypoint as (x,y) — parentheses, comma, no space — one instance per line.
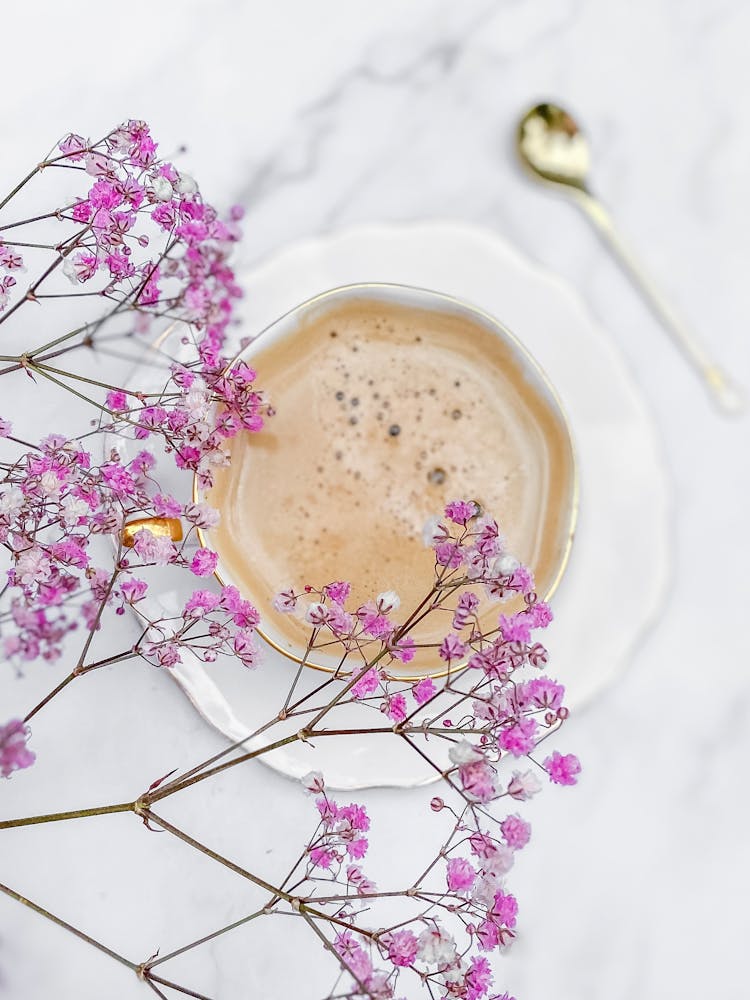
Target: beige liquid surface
(385,412)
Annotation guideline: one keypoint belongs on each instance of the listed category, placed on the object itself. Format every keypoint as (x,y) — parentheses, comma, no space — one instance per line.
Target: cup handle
(163,527)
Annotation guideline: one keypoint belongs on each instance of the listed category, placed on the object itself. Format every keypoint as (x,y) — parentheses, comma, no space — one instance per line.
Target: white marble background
(321,115)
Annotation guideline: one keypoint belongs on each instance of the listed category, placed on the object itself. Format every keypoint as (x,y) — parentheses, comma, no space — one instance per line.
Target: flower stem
(187,839)
(79,378)
(56,690)
(120,807)
(329,947)
(178,786)
(18,187)
(73,930)
(174,986)
(59,340)
(155,989)
(204,940)
(69,388)
(29,296)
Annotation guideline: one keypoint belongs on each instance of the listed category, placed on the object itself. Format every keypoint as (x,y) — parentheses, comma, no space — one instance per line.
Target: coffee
(384,412)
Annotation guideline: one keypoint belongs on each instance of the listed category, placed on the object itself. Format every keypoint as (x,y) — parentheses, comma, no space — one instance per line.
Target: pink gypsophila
(166,506)
(423,690)
(451,648)
(396,707)
(367,684)
(460,511)
(516,628)
(540,614)
(402,947)
(14,754)
(460,875)
(200,603)
(478,979)
(516,832)
(519,738)
(523,785)
(563,770)
(403,650)
(338,591)
(151,548)
(117,400)
(204,562)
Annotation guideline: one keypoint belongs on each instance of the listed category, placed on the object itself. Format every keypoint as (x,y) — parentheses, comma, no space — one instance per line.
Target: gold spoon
(554,149)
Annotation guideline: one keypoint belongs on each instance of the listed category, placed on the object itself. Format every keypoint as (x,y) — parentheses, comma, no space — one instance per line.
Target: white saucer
(617,574)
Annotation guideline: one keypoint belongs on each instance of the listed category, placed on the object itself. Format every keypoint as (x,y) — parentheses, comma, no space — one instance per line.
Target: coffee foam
(385,412)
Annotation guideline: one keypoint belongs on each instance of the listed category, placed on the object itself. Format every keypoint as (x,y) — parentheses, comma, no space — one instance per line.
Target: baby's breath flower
(143,247)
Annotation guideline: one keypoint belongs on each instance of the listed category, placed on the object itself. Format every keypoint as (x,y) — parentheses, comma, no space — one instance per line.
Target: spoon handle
(724,392)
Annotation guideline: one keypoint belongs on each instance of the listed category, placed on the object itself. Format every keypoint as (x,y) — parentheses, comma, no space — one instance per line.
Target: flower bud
(505,565)
(186,184)
(162,188)
(388,601)
(313,782)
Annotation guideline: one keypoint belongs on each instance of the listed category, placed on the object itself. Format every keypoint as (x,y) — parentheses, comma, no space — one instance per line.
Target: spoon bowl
(553,147)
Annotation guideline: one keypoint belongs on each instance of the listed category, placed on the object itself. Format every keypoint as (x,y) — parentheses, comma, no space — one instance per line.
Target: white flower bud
(186,184)
(162,188)
(313,782)
(388,601)
(523,785)
(505,565)
(463,753)
(430,533)
(317,614)
(436,947)
(11,501)
(69,270)
(49,484)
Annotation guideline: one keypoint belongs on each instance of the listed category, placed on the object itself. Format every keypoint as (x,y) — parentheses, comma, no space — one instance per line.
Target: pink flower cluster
(511,708)
(188,278)
(469,552)
(356,959)
(14,754)
(475,892)
(130,187)
(204,405)
(368,624)
(429,950)
(55,502)
(340,837)
(370,627)
(211,625)
(141,239)
(480,881)
(471,542)
(144,229)
(134,197)
(11,262)
(144,238)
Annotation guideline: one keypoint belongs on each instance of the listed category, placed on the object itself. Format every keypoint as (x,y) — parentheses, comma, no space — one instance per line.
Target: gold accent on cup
(450,301)
(162,527)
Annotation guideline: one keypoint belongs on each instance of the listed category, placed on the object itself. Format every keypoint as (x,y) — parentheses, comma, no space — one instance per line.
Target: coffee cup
(389,401)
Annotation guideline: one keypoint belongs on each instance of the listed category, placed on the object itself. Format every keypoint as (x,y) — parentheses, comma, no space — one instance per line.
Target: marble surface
(316,116)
